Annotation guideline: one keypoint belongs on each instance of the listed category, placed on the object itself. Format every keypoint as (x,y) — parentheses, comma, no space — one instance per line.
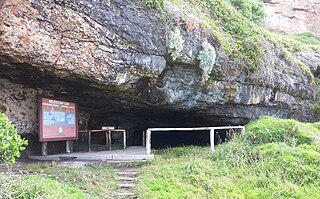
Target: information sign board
(57,120)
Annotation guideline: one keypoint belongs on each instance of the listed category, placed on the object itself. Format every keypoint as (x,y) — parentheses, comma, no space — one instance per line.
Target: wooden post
(124,140)
(89,140)
(244,130)
(44,148)
(148,142)
(212,140)
(143,138)
(109,141)
(69,146)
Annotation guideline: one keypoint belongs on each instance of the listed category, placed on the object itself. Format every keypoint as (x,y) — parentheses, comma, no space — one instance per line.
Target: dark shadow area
(161,140)
(110,105)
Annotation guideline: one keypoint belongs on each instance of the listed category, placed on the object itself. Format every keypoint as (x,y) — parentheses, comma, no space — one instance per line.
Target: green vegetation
(276,158)
(251,9)
(50,181)
(36,187)
(233,29)
(156,4)
(316,106)
(308,38)
(116,146)
(11,144)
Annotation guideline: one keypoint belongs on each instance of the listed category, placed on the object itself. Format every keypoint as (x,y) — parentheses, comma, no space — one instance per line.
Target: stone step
(127,185)
(125,194)
(127,169)
(127,179)
(126,173)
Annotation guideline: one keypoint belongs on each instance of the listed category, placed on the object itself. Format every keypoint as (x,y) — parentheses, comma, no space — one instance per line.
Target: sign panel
(58,120)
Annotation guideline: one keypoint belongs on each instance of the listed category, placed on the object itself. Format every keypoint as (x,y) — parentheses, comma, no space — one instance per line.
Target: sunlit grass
(275,159)
(46,180)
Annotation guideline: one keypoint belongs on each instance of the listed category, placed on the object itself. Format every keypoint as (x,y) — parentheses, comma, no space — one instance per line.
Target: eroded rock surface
(292,16)
(111,57)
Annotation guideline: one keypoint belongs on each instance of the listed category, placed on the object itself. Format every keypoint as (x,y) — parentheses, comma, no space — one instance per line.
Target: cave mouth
(170,139)
(107,105)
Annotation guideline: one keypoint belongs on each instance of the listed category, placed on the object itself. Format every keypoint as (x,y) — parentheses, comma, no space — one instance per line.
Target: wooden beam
(212,140)
(89,141)
(148,142)
(44,148)
(143,138)
(69,146)
(109,141)
(124,140)
(211,129)
(195,128)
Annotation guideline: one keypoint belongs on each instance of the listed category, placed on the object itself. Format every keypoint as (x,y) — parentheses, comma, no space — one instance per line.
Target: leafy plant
(157,4)
(11,144)
(251,9)
(207,57)
(175,43)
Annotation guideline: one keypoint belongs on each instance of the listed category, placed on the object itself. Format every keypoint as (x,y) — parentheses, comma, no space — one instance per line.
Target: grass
(36,187)
(276,158)
(316,106)
(308,38)
(50,181)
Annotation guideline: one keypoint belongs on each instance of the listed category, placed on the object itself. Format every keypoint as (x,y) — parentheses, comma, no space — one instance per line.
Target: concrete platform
(131,153)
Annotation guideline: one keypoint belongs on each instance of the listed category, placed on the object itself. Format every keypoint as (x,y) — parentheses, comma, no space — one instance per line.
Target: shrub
(175,44)
(157,4)
(11,144)
(251,9)
(207,57)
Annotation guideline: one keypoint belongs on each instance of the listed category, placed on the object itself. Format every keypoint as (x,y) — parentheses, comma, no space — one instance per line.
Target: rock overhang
(113,60)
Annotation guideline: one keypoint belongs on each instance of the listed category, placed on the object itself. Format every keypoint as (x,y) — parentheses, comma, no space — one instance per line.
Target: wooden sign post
(58,121)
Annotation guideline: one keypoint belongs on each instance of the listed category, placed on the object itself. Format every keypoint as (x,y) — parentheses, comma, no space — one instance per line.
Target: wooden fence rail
(211,129)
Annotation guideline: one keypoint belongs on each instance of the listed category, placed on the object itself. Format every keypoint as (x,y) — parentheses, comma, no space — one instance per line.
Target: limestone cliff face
(112,57)
(293,16)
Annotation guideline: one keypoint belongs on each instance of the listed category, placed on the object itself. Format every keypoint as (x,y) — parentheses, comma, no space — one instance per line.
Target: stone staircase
(127,181)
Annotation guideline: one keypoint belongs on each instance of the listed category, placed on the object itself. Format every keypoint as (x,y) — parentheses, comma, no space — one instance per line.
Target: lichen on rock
(207,57)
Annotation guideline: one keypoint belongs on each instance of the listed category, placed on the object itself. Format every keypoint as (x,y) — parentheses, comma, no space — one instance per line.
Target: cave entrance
(99,105)
(200,136)
(166,139)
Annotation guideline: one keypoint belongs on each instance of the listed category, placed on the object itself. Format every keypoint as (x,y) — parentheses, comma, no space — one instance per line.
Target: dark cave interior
(109,106)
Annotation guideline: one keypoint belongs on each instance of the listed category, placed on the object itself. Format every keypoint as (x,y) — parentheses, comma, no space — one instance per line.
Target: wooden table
(108,136)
